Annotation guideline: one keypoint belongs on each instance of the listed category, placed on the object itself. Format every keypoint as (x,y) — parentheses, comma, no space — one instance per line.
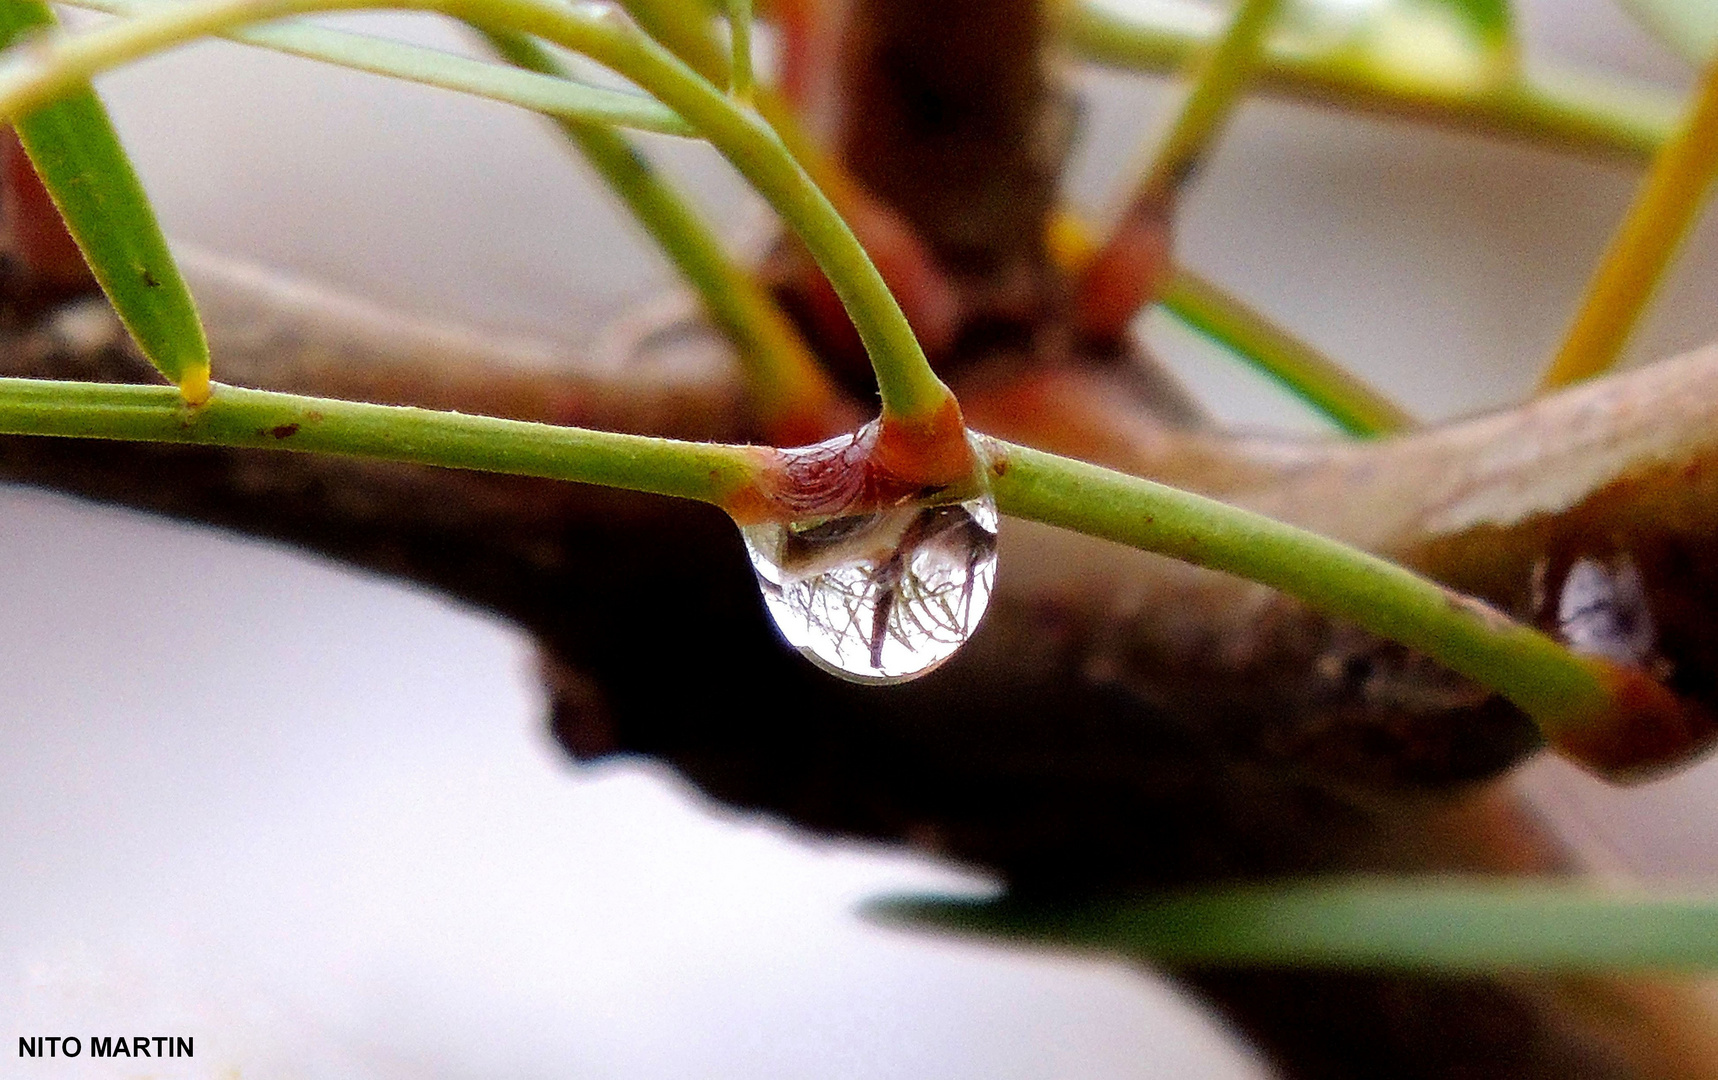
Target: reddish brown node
(1129,273)
(1646,730)
(887,462)
(38,233)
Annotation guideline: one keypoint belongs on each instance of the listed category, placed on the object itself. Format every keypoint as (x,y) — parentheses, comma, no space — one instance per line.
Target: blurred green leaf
(1430,924)
(77,154)
(1688,26)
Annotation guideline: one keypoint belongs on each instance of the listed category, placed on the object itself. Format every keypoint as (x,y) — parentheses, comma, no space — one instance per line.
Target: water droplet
(1603,611)
(883,597)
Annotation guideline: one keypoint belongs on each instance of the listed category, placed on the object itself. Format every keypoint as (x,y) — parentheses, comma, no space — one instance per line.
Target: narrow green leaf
(1688,26)
(1430,924)
(76,152)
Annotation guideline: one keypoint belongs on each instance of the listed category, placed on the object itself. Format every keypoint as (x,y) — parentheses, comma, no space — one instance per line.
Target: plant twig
(913,397)
(1561,107)
(1216,84)
(1317,380)
(1608,717)
(1129,269)
(740,83)
(1643,246)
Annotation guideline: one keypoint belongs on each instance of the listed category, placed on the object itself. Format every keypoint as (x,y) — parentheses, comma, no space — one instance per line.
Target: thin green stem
(1557,688)
(556,97)
(1217,80)
(740,30)
(1317,380)
(791,391)
(910,390)
(722,475)
(1649,237)
(1450,925)
(1561,107)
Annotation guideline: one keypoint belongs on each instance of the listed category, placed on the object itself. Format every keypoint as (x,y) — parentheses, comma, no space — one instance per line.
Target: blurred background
(314,820)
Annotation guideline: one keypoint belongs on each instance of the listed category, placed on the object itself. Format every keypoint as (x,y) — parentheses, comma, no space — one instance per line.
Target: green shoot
(1651,233)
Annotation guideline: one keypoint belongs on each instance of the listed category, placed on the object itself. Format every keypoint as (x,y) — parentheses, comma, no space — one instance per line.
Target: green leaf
(1428,924)
(1688,26)
(77,153)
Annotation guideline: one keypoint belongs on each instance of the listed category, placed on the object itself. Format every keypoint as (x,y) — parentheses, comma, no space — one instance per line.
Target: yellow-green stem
(1216,80)
(1649,237)
(1558,689)
(1313,377)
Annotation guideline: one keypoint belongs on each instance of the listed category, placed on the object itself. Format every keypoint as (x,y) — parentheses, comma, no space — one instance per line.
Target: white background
(313,819)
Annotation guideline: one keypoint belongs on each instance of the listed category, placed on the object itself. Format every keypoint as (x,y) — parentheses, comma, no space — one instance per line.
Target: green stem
(1216,86)
(740,29)
(791,391)
(1649,237)
(556,97)
(1564,108)
(722,475)
(1559,690)
(1322,383)
(910,390)
(1431,925)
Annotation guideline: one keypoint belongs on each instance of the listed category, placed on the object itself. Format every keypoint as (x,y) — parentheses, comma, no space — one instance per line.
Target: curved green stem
(1317,380)
(1561,691)
(910,390)
(1651,233)
(1217,80)
(1564,108)
(740,30)
(560,98)
(722,475)
(791,391)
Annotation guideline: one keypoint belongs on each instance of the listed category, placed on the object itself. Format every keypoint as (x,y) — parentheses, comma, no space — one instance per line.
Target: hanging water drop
(882,597)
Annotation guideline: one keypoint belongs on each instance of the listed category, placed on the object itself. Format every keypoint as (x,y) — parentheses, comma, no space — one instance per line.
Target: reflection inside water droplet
(881,597)
(1602,611)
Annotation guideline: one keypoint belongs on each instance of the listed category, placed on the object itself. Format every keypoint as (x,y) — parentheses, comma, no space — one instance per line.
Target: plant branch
(1564,108)
(1216,82)
(911,392)
(1567,695)
(1650,235)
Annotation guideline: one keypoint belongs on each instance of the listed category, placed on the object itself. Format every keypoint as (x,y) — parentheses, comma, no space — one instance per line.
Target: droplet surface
(1602,611)
(883,597)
